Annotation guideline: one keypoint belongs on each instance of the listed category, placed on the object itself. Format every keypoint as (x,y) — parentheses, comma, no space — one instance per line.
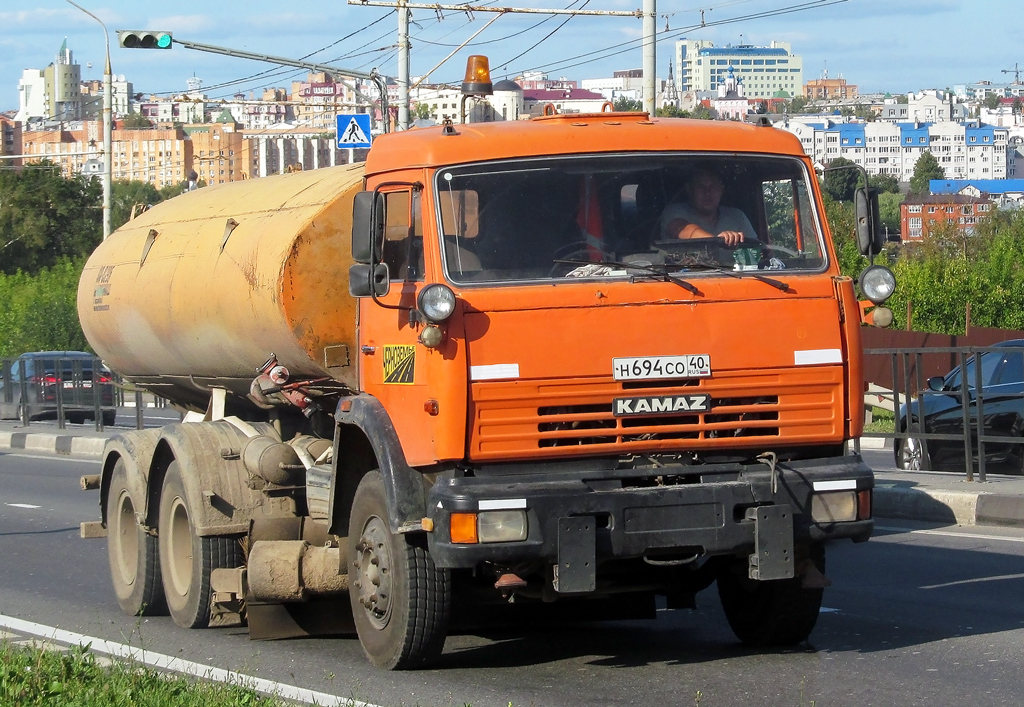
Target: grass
(31,675)
(881,421)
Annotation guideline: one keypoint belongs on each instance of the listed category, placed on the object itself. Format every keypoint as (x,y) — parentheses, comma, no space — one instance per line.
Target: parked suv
(78,372)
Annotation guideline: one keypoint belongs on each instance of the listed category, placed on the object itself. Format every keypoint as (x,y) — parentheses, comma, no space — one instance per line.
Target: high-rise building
(765,72)
(55,93)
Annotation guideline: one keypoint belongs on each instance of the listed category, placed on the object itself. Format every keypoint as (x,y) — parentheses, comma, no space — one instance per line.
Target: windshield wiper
(660,272)
(778,284)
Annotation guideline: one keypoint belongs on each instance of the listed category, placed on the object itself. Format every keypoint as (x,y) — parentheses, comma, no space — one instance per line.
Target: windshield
(627,217)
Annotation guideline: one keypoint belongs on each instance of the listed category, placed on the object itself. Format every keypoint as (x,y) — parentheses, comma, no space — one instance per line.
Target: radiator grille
(541,418)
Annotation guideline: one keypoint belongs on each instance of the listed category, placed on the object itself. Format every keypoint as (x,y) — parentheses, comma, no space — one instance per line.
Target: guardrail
(66,389)
(956,411)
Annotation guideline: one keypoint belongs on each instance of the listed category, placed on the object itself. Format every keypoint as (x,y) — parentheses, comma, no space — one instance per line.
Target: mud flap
(576,570)
(773,543)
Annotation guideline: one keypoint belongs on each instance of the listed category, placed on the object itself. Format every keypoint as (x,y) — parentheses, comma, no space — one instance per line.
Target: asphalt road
(917,616)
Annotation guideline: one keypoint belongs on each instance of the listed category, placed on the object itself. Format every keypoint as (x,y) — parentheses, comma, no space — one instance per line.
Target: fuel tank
(200,290)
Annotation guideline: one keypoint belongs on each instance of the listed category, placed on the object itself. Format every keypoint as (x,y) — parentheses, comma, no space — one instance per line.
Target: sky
(880,45)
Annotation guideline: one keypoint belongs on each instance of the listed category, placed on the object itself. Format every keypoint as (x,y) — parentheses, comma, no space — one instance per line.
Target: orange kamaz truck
(476,375)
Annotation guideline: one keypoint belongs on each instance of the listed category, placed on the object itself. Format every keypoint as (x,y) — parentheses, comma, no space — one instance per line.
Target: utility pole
(650,60)
(108,130)
(404,6)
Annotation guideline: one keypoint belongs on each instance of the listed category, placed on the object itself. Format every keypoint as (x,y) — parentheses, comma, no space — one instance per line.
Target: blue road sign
(354,130)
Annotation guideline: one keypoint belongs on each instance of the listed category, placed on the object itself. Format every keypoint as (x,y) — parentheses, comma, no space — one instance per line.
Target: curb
(940,506)
(68,445)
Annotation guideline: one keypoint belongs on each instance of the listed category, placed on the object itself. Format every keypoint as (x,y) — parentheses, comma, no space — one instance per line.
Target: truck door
(392,367)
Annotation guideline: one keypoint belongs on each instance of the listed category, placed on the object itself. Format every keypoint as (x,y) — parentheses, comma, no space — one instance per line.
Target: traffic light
(143,39)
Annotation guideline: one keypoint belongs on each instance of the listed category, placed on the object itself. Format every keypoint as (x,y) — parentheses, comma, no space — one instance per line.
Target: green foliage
(797,105)
(889,210)
(45,217)
(422,111)
(841,223)
(884,183)
(991,101)
(926,169)
(124,195)
(623,104)
(841,178)
(136,121)
(40,311)
(32,677)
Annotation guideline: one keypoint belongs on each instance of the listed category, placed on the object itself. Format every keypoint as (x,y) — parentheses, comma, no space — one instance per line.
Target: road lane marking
(974,580)
(166,662)
(58,457)
(21,505)
(948,534)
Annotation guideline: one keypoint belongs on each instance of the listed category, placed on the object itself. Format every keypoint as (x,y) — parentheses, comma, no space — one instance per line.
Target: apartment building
(921,215)
(219,152)
(10,141)
(929,106)
(53,93)
(765,72)
(968,150)
(826,89)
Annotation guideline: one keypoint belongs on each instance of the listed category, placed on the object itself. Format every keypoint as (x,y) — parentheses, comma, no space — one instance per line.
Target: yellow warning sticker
(400,363)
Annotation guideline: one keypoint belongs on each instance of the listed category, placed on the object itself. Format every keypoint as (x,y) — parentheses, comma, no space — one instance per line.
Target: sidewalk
(940,497)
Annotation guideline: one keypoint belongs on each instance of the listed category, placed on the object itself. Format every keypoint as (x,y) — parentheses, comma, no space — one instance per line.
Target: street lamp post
(107,124)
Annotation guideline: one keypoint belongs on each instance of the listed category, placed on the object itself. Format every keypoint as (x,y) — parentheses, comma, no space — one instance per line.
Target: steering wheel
(571,251)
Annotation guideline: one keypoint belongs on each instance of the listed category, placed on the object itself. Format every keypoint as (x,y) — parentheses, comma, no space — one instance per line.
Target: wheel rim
(125,539)
(372,563)
(911,454)
(179,547)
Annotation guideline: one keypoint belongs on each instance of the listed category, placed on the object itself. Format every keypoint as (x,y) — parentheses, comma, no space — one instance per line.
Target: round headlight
(437,302)
(877,283)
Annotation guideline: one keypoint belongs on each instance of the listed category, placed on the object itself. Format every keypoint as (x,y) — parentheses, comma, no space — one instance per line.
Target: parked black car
(79,371)
(1002,387)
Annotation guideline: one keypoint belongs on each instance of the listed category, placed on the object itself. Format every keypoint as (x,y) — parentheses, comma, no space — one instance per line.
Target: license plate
(655,367)
(661,405)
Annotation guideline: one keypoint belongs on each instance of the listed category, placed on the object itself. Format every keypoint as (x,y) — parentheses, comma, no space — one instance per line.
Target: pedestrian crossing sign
(354,130)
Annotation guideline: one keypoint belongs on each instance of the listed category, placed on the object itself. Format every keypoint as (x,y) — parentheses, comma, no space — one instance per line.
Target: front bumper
(707,513)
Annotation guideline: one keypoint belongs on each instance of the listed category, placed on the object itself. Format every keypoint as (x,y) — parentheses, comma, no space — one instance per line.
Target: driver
(701,216)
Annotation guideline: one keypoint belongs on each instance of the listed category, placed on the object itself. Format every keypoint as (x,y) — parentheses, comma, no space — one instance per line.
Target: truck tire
(187,561)
(776,613)
(400,600)
(134,554)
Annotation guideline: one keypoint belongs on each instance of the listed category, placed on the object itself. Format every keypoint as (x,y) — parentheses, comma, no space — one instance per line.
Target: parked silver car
(76,372)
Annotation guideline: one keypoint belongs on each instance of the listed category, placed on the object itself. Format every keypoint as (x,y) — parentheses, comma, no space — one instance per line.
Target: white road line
(974,581)
(166,662)
(21,505)
(948,534)
(51,456)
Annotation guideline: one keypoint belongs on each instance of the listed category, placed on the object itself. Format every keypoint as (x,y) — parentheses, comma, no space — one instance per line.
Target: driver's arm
(686,230)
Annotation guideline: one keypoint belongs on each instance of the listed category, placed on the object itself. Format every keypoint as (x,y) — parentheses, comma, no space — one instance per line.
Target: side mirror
(935,383)
(366,280)
(367,227)
(869,224)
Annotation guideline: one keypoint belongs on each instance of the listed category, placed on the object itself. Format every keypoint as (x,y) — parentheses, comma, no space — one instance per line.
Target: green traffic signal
(143,39)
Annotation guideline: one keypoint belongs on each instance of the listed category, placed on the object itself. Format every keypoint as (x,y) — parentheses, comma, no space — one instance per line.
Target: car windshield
(620,216)
(997,368)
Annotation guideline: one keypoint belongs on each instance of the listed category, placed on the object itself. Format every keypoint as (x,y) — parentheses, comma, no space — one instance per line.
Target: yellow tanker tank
(202,289)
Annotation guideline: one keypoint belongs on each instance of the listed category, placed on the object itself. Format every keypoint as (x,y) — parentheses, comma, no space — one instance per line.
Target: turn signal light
(864,504)
(463,528)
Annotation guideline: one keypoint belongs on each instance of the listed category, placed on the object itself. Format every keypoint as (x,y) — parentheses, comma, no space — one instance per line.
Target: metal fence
(67,389)
(954,412)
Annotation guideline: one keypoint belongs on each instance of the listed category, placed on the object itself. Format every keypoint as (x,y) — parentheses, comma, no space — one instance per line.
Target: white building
(765,72)
(930,106)
(445,102)
(968,150)
(55,93)
(622,84)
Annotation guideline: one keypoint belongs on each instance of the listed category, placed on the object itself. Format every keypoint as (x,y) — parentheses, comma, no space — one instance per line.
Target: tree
(702,112)
(841,178)
(671,112)
(889,210)
(124,195)
(40,311)
(926,169)
(45,217)
(136,121)
(884,183)
(797,104)
(991,101)
(625,105)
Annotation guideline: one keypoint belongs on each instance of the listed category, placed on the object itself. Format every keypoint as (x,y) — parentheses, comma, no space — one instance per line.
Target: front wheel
(912,454)
(133,553)
(400,600)
(776,613)
(187,561)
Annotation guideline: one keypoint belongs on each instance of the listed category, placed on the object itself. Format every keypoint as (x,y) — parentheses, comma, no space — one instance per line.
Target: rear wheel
(133,553)
(400,600)
(187,561)
(776,613)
